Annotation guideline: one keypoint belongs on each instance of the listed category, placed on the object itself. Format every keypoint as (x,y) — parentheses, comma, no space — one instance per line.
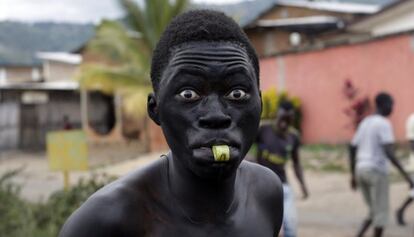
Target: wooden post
(66,181)
(118,110)
(84,108)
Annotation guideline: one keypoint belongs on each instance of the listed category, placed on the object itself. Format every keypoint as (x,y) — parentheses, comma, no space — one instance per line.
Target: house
(393,19)
(30,109)
(18,70)
(374,52)
(38,93)
(59,66)
(281,27)
(19,43)
(296,24)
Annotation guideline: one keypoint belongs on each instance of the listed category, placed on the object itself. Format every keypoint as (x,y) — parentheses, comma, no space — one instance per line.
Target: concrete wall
(24,125)
(9,125)
(281,12)
(397,18)
(18,74)
(54,71)
(403,23)
(268,41)
(318,77)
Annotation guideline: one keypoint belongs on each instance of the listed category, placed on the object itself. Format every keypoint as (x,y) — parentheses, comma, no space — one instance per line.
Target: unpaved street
(332,209)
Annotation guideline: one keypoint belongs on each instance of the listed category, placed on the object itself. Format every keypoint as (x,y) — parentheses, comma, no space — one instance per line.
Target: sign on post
(67,151)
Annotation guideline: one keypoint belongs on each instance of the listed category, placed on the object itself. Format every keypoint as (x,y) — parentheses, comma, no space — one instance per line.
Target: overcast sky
(80,11)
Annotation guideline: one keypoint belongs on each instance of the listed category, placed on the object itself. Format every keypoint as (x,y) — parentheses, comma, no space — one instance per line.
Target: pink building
(317,77)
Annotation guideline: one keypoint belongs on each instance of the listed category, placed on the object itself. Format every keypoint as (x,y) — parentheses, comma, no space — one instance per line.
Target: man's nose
(215,118)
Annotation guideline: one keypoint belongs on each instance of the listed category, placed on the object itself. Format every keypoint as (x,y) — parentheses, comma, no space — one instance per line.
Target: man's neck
(378,112)
(200,199)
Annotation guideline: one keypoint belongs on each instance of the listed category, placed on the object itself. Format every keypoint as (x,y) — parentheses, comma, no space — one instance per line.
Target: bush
(20,218)
(271,100)
(50,216)
(15,214)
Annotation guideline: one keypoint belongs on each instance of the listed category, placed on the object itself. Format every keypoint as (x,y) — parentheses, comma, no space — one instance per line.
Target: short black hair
(286,105)
(198,25)
(383,99)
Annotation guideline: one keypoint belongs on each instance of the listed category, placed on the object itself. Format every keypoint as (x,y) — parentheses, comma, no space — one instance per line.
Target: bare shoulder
(109,211)
(265,182)
(266,187)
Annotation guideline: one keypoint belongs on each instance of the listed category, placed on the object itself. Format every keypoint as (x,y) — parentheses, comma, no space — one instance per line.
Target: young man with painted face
(370,149)
(277,143)
(206,97)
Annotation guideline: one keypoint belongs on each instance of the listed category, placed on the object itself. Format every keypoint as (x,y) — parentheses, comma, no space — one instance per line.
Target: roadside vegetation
(20,218)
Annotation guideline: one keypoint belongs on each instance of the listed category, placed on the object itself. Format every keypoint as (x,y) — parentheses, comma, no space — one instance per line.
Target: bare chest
(246,221)
(250,224)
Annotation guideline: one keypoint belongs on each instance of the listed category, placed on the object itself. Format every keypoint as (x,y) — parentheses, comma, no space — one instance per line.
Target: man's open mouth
(205,154)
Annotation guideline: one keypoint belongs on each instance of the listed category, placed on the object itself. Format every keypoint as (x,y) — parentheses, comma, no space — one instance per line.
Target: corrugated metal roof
(309,20)
(246,12)
(60,57)
(344,7)
(50,85)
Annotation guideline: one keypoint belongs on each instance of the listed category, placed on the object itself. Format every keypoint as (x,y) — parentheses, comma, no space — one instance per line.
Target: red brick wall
(317,78)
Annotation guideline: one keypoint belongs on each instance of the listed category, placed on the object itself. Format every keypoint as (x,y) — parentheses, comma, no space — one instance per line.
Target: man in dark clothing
(277,143)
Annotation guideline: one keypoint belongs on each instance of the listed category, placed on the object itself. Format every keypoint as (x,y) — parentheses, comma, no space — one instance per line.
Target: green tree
(124,49)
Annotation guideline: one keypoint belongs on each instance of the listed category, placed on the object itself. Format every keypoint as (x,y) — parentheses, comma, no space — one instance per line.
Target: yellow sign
(67,150)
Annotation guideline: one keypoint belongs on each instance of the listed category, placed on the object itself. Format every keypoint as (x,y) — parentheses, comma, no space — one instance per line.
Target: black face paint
(283,120)
(207,96)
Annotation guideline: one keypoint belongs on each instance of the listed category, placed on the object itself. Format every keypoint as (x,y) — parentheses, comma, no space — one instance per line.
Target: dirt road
(332,210)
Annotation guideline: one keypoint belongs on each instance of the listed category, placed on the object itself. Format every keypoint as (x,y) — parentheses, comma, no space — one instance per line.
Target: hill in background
(20,41)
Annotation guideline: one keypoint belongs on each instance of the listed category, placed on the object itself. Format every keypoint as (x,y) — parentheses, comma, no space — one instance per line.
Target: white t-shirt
(372,133)
(410,127)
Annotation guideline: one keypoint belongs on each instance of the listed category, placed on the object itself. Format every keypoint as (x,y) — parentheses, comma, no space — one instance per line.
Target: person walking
(370,150)
(277,144)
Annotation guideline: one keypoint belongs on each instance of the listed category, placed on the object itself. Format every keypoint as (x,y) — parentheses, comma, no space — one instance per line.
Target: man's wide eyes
(237,94)
(189,95)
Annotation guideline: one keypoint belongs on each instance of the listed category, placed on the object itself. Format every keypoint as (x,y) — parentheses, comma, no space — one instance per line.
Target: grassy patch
(325,158)
(19,218)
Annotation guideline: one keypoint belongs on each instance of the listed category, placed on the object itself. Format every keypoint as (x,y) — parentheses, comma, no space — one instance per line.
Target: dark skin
(208,95)
(385,111)
(284,119)
(297,167)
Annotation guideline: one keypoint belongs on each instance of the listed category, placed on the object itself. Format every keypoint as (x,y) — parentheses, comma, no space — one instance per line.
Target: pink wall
(317,78)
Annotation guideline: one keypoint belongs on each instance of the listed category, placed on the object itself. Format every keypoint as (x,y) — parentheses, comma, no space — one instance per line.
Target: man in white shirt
(410,137)
(370,150)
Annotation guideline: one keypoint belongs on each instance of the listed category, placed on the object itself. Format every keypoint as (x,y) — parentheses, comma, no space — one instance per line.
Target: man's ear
(152,108)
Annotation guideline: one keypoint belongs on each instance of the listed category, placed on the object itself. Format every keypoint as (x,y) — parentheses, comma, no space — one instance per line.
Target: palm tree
(124,49)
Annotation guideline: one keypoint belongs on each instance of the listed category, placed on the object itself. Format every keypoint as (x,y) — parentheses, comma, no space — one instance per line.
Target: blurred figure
(407,202)
(410,137)
(66,123)
(370,148)
(277,143)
